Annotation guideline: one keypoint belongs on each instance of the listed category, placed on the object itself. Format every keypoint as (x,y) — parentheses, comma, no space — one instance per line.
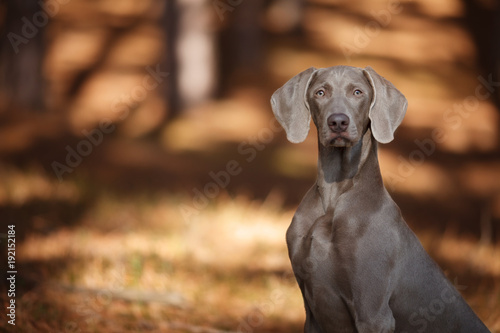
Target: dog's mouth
(340,140)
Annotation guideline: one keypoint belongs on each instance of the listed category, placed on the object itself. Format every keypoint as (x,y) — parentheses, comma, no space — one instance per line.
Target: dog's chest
(326,242)
(311,245)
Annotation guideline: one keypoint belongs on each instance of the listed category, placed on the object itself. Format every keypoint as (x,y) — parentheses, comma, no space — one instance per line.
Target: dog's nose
(338,122)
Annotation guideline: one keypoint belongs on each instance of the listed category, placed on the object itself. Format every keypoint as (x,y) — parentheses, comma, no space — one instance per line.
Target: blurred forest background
(150,188)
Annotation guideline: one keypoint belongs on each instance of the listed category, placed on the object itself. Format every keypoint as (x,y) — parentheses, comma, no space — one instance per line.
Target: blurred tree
(483,21)
(22,53)
(192,54)
(246,26)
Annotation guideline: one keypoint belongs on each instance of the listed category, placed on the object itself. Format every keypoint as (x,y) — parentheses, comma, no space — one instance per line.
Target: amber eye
(320,93)
(357,92)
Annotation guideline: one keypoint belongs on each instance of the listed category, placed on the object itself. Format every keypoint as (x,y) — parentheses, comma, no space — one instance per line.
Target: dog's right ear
(290,106)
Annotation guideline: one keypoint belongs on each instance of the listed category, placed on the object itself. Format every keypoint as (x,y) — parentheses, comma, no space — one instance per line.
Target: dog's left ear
(387,109)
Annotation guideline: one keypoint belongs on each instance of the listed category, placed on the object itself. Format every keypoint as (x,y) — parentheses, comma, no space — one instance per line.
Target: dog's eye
(357,92)
(320,93)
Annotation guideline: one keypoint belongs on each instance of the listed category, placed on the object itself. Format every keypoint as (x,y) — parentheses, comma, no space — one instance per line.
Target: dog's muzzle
(338,124)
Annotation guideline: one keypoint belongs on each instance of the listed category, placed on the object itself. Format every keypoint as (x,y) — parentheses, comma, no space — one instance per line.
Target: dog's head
(342,101)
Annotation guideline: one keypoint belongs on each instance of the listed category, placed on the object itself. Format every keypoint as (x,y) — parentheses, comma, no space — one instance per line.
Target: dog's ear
(290,106)
(387,109)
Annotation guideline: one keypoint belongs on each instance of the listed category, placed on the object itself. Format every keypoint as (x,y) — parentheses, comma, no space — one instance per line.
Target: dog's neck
(340,168)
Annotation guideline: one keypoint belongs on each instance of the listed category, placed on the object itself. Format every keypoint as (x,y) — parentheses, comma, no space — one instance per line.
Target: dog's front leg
(311,325)
(368,282)
(303,276)
(370,308)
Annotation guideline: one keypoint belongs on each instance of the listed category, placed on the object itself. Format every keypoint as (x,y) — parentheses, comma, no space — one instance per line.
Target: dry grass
(133,264)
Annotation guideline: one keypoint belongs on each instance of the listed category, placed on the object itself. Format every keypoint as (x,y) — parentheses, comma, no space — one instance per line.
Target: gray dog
(359,266)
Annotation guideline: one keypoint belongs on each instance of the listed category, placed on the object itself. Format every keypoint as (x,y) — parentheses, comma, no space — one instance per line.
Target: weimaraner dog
(359,266)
